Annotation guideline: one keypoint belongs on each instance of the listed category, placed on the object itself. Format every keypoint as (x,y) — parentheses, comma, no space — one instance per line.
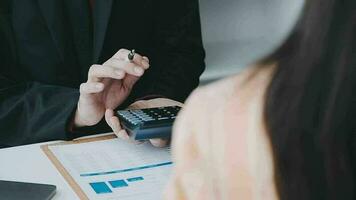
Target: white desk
(29,164)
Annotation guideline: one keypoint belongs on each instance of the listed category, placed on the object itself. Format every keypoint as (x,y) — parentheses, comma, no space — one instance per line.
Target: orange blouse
(220,145)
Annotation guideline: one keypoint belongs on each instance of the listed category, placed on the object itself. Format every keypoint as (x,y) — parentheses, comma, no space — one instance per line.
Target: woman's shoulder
(215,92)
(244,91)
(250,80)
(224,123)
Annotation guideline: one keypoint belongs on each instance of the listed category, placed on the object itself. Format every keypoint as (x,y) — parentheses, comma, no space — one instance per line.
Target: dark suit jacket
(47,46)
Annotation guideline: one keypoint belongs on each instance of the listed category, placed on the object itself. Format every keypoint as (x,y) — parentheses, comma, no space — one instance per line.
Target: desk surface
(29,164)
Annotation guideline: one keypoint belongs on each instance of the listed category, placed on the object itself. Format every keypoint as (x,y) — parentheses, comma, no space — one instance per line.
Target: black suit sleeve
(29,111)
(177,58)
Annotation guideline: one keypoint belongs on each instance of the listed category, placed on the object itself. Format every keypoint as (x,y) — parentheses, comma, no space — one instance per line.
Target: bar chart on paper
(116,169)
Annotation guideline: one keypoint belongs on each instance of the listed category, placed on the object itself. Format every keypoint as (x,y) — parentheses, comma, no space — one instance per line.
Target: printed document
(116,169)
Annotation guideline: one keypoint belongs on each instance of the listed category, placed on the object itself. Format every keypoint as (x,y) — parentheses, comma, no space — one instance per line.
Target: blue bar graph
(118,183)
(100,187)
(134,179)
(126,170)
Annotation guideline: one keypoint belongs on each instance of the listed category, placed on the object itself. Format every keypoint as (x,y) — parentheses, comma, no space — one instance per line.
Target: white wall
(238,32)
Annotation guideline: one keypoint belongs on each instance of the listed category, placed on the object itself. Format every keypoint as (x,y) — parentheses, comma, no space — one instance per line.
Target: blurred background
(236,33)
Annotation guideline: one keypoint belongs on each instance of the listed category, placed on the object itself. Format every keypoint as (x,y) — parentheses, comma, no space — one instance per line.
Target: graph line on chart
(126,170)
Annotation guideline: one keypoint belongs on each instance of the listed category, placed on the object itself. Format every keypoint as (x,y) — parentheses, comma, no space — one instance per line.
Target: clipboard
(70,180)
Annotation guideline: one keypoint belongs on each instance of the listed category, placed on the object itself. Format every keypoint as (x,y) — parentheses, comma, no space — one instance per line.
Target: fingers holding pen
(96,72)
(91,88)
(118,66)
(137,59)
(127,67)
(145,62)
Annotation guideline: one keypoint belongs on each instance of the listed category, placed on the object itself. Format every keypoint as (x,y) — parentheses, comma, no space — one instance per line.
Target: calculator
(149,123)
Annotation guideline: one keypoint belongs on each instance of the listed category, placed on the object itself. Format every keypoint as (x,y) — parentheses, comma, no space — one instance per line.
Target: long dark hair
(310,105)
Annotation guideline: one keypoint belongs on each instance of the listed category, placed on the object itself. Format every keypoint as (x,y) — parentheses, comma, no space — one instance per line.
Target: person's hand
(114,122)
(108,85)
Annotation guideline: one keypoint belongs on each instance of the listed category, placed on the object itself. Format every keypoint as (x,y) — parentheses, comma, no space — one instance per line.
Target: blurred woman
(283,129)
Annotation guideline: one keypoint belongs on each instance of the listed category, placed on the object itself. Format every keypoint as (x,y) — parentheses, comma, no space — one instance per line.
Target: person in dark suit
(51,48)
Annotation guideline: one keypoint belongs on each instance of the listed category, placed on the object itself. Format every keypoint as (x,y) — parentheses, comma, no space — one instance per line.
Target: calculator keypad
(150,116)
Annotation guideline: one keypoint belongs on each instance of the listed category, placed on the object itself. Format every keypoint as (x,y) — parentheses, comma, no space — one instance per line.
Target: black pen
(131,55)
